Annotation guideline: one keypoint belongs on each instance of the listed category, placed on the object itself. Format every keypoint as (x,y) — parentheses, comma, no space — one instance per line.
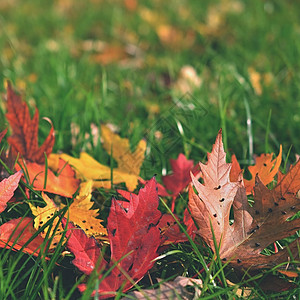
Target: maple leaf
(79,212)
(254,228)
(180,178)
(7,188)
(65,184)
(24,139)
(264,167)
(134,239)
(16,234)
(87,168)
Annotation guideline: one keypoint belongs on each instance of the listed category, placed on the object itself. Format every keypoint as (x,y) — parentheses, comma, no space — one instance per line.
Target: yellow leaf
(44,214)
(79,213)
(129,163)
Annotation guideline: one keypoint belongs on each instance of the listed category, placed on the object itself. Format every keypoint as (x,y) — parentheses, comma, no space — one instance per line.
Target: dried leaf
(215,197)
(171,290)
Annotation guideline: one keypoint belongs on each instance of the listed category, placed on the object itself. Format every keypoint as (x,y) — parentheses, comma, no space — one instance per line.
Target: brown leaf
(215,197)
(170,290)
(254,228)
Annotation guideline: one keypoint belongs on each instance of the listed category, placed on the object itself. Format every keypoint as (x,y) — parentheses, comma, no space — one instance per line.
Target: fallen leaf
(79,212)
(24,139)
(64,184)
(16,233)
(170,231)
(265,167)
(134,239)
(129,163)
(86,250)
(254,228)
(180,178)
(161,190)
(211,207)
(171,290)
(7,188)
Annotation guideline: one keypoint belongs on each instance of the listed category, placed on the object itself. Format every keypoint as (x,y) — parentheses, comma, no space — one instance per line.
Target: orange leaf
(65,184)
(16,233)
(24,139)
(265,168)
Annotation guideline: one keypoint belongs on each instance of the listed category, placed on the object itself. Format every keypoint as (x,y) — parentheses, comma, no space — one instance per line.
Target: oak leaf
(134,239)
(16,233)
(24,139)
(7,188)
(211,207)
(254,228)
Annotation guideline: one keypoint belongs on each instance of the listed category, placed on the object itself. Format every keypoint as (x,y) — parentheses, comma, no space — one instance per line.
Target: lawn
(166,75)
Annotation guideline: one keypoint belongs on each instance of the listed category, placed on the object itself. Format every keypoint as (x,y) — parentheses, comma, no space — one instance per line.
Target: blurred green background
(173,72)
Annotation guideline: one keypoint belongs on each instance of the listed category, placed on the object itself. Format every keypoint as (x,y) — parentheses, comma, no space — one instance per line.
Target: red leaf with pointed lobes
(180,178)
(161,190)
(86,250)
(134,239)
(16,233)
(24,139)
(7,188)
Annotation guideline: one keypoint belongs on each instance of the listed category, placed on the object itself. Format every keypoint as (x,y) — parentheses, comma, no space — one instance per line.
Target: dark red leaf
(24,139)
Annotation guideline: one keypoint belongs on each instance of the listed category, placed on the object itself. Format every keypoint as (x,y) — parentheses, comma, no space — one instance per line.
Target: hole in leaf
(217,188)
(113,232)
(222,200)
(83,221)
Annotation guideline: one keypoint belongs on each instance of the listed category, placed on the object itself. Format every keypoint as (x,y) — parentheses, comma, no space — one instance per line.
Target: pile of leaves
(237,219)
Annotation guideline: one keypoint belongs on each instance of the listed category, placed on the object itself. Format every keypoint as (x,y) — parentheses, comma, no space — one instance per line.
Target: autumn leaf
(161,190)
(7,188)
(215,197)
(65,184)
(129,163)
(16,233)
(79,212)
(254,228)
(24,139)
(170,231)
(264,167)
(180,178)
(86,250)
(134,239)
(175,289)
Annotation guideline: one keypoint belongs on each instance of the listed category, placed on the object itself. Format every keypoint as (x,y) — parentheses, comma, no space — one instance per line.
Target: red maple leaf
(134,239)
(180,178)
(24,139)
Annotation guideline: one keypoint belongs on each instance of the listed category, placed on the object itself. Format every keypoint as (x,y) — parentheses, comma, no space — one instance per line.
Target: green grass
(47,49)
